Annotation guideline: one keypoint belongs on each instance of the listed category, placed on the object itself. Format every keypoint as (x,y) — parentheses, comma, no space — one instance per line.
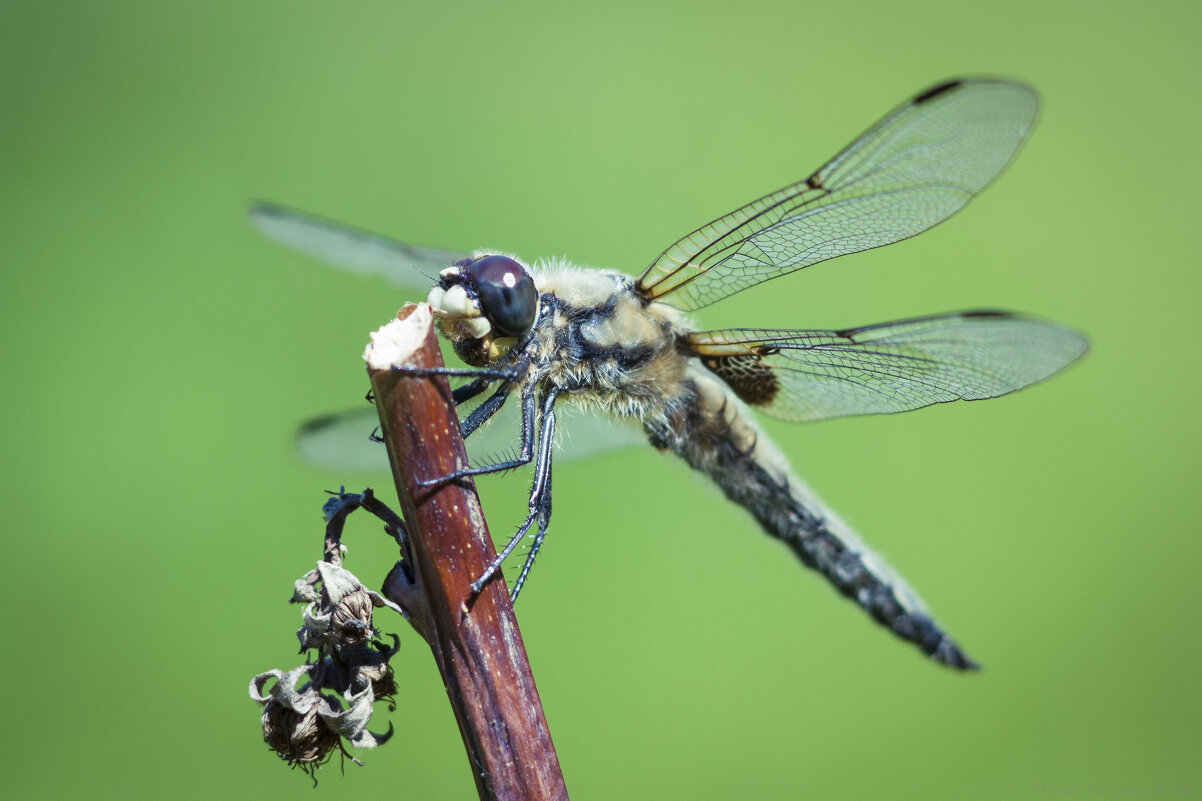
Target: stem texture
(474,637)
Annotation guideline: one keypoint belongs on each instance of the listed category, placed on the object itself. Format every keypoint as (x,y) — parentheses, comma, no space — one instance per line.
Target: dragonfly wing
(353,250)
(889,367)
(342,441)
(915,168)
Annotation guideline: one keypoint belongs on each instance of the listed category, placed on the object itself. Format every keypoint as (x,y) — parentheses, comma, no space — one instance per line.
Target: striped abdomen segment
(754,477)
(857,573)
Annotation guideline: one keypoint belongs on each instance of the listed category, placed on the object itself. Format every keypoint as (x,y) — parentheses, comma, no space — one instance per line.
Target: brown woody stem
(474,637)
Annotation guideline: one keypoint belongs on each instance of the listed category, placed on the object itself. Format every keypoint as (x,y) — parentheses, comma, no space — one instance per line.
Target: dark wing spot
(985,313)
(814,182)
(746,374)
(935,91)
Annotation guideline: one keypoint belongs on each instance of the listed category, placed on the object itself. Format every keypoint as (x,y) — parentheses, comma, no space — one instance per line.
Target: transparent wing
(890,367)
(913,169)
(351,249)
(342,441)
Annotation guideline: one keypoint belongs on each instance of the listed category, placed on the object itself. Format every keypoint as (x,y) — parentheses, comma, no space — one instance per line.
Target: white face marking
(478,326)
(456,302)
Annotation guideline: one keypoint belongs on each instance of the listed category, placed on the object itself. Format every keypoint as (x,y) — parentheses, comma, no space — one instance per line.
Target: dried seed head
(339,614)
(352,618)
(304,724)
(292,724)
(369,663)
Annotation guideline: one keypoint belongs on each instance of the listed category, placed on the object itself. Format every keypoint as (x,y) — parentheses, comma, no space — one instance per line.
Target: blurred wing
(890,367)
(913,169)
(350,249)
(342,441)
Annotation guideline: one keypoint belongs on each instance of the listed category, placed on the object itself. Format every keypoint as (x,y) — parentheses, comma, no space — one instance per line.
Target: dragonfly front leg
(470,390)
(459,395)
(484,412)
(524,457)
(478,373)
(540,501)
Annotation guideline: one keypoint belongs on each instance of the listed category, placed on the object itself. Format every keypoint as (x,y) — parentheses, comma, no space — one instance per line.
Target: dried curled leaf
(304,722)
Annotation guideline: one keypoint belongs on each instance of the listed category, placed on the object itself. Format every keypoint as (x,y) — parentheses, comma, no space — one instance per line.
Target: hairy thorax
(605,348)
(602,346)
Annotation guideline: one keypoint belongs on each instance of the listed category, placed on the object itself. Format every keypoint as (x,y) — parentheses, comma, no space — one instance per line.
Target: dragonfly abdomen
(709,432)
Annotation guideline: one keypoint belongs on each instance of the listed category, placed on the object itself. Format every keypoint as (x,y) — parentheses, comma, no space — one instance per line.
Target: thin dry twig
(474,637)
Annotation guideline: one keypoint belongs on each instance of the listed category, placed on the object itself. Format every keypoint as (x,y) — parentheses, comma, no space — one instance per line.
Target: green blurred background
(158,356)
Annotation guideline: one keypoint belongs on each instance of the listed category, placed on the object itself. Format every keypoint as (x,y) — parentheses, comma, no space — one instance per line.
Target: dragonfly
(551,334)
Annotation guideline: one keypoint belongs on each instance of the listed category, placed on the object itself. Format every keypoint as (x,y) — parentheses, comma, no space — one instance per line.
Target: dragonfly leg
(479,416)
(482,413)
(540,500)
(524,457)
(469,390)
(498,374)
(544,517)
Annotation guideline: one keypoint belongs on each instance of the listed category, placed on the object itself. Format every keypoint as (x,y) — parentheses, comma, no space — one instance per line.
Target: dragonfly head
(487,303)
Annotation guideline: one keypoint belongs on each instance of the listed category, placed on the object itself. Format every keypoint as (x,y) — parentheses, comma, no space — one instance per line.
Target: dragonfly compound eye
(508,297)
